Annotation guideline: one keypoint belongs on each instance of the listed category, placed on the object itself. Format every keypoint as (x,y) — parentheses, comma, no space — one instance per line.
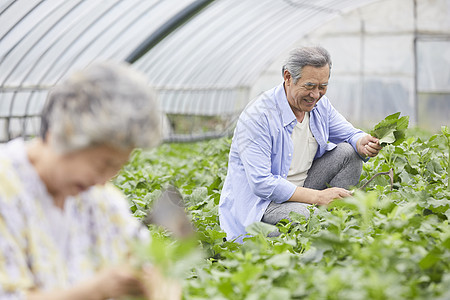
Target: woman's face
(76,171)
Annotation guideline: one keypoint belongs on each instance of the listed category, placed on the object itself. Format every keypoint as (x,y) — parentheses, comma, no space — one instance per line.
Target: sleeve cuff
(283,192)
(354,139)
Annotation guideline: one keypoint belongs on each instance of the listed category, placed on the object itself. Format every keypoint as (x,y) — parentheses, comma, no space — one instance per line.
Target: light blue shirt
(261,154)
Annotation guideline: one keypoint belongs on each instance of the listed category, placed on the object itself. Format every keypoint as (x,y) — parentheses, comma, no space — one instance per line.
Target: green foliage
(378,244)
(391,130)
(174,258)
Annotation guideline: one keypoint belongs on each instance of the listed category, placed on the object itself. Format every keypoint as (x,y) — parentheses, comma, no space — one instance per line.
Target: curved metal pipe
(167,28)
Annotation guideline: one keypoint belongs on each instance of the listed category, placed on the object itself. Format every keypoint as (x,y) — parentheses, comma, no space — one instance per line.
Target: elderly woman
(65,231)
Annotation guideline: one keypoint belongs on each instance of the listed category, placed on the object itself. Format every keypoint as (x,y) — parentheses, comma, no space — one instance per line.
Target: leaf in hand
(387,136)
(391,130)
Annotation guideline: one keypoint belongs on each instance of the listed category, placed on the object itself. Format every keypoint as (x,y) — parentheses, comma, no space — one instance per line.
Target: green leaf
(279,293)
(313,255)
(402,123)
(247,273)
(282,260)
(260,228)
(445,131)
(391,130)
(386,135)
(430,259)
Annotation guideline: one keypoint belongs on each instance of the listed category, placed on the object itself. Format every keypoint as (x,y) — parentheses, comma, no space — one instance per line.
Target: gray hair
(106,104)
(306,56)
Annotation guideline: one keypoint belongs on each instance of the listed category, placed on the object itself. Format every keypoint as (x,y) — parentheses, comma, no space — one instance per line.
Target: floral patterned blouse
(44,247)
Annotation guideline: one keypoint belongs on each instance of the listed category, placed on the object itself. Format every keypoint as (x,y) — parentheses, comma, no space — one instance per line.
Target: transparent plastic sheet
(386,59)
(230,52)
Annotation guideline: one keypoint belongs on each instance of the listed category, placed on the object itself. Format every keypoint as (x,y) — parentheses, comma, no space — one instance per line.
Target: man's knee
(279,211)
(348,153)
(345,149)
(301,209)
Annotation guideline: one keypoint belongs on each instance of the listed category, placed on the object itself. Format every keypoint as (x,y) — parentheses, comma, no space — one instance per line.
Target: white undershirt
(305,148)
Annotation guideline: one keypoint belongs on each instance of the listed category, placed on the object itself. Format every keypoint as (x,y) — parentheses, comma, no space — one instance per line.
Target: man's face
(303,95)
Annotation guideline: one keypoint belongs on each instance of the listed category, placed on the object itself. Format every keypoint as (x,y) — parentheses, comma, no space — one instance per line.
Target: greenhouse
(206,60)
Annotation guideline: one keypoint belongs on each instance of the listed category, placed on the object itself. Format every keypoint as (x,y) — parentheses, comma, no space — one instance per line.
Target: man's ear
(287,78)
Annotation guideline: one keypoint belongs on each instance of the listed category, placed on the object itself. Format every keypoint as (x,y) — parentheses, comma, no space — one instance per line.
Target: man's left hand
(368,146)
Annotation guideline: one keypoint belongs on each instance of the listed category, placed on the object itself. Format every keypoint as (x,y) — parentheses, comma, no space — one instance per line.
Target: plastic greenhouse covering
(387,56)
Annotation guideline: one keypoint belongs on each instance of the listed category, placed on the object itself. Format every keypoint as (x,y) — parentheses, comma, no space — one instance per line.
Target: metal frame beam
(167,28)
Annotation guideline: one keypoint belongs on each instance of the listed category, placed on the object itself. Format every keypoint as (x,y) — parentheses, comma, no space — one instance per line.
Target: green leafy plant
(391,240)
(391,130)
(175,258)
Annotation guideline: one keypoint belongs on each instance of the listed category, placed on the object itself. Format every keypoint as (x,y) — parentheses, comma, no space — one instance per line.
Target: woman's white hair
(108,103)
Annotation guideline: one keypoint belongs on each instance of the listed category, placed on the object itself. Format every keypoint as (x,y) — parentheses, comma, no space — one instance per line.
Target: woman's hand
(110,283)
(149,282)
(117,282)
(158,287)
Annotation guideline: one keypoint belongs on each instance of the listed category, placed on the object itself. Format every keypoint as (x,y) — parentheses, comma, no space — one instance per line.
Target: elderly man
(289,145)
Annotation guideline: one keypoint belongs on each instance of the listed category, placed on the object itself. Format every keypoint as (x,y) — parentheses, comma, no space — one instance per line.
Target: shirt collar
(286,112)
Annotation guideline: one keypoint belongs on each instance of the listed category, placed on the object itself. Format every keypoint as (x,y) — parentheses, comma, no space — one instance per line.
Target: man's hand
(319,197)
(368,146)
(326,196)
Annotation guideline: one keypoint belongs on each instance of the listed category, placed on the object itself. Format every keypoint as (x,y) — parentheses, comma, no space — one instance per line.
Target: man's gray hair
(108,103)
(306,56)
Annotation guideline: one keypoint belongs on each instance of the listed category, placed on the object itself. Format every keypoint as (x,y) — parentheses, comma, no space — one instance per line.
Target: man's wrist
(358,146)
(316,196)
(306,195)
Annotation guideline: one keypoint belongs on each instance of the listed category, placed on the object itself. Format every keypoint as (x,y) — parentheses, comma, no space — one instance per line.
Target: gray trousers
(340,167)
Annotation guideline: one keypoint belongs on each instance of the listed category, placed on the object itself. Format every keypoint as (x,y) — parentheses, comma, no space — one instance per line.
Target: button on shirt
(259,157)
